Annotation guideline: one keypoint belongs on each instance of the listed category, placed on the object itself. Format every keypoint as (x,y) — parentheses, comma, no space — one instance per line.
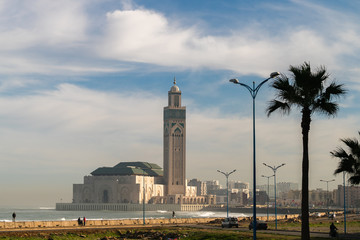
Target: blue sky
(83,85)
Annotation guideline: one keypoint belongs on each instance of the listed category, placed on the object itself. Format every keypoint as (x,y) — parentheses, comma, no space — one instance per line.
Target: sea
(50,214)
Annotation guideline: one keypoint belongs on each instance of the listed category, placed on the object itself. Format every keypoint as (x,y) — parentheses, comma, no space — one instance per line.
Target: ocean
(50,214)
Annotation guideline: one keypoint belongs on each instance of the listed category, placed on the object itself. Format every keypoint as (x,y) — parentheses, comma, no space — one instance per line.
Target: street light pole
(268,192)
(253,92)
(344,204)
(144,189)
(327,192)
(143,196)
(274,169)
(227,189)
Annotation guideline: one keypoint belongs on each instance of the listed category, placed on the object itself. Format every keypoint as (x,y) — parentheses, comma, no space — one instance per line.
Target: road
(284,232)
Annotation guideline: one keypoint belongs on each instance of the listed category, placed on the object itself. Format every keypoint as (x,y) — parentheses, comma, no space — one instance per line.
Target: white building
(123,183)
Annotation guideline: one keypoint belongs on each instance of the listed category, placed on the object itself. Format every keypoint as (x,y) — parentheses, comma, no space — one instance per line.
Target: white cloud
(40,22)
(69,132)
(141,35)
(61,35)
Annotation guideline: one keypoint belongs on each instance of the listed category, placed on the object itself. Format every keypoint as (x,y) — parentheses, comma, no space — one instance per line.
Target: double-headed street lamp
(268,192)
(327,192)
(274,169)
(227,189)
(253,92)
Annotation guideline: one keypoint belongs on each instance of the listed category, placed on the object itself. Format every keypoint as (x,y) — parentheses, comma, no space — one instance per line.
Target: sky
(83,85)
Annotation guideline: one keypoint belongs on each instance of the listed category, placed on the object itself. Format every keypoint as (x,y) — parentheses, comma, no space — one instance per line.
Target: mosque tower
(174,143)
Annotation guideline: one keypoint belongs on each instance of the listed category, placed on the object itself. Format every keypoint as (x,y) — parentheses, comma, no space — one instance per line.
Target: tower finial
(174,80)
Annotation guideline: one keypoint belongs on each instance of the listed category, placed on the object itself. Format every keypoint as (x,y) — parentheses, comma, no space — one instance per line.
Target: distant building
(286,186)
(212,186)
(239,198)
(238,185)
(291,198)
(262,197)
(200,185)
(352,196)
(281,187)
(319,197)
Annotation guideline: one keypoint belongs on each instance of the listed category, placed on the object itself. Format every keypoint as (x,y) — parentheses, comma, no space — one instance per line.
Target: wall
(127,207)
(100,223)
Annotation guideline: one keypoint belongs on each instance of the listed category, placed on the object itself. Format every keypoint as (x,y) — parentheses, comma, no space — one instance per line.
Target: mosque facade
(143,182)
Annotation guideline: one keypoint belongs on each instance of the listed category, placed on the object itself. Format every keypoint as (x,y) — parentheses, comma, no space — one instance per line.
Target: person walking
(333,232)
(14,216)
(84,221)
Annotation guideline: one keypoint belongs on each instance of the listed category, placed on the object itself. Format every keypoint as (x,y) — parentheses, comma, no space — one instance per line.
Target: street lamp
(344,203)
(253,92)
(274,169)
(327,192)
(268,192)
(227,189)
(144,189)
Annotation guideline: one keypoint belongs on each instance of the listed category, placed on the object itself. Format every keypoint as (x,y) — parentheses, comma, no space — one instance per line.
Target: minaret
(174,143)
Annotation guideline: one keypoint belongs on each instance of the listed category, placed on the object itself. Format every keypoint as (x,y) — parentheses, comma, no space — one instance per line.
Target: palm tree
(349,161)
(306,91)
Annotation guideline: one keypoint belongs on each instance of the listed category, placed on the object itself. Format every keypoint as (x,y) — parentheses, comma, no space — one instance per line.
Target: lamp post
(227,189)
(344,203)
(144,189)
(253,92)
(274,169)
(268,192)
(327,192)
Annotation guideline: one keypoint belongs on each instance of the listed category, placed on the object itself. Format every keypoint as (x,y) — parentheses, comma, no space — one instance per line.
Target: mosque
(128,185)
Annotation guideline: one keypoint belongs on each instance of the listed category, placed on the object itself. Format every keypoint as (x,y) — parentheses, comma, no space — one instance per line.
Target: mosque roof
(174,88)
(130,168)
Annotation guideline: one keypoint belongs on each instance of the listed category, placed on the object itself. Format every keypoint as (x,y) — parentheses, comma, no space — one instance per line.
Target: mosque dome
(174,89)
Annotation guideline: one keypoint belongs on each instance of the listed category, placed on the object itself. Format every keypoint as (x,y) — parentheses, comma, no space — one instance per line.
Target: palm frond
(355,179)
(286,91)
(353,146)
(345,165)
(334,90)
(349,160)
(340,153)
(324,107)
(274,105)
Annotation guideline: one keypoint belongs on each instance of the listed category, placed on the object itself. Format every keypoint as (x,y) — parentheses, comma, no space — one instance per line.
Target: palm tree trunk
(305,125)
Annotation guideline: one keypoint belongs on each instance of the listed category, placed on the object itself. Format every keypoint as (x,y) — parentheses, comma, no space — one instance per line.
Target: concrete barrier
(99,223)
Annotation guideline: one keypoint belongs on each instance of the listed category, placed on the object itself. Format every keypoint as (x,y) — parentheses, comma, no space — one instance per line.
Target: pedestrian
(79,221)
(14,216)
(84,220)
(333,232)
(173,214)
